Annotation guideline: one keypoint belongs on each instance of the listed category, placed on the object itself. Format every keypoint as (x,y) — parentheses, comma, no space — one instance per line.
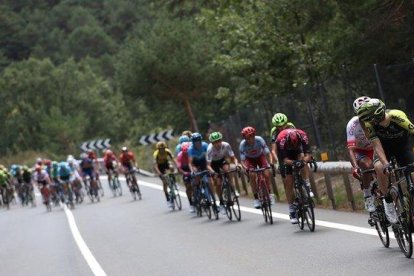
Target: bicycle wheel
(308,211)
(380,223)
(227,202)
(177,199)
(118,185)
(266,205)
(235,205)
(402,230)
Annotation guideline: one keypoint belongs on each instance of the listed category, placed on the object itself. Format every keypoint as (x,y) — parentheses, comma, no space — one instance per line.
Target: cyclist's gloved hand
(298,163)
(387,168)
(356,173)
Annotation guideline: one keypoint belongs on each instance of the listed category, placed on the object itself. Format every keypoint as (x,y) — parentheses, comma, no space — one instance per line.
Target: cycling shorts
(258,162)
(361,154)
(218,164)
(163,167)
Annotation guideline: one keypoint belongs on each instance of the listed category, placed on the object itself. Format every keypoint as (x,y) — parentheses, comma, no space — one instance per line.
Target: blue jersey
(198,154)
(64,169)
(258,148)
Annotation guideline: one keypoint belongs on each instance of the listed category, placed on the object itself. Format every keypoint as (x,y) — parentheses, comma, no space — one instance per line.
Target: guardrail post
(330,190)
(349,190)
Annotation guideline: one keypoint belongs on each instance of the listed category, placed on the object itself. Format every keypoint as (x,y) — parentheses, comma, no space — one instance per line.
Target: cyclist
(293,150)
(183,166)
(182,140)
(255,153)
(197,158)
(127,160)
(361,153)
(43,181)
(388,131)
(86,167)
(4,182)
(217,152)
(95,162)
(162,157)
(280,122)
(110,162)
(64,176)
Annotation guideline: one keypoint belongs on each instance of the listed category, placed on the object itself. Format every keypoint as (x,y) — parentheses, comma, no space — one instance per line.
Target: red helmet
(47,162)
(248,131)
(293,139)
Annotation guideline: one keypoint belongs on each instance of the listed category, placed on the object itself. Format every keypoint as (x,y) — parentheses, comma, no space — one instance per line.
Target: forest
(77,70)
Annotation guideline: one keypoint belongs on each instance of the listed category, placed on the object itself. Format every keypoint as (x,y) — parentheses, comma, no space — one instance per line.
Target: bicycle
(45,191)
(203,197)
(26,194)
(402,201)
(173,191)
(68,194)
(93,189)
(7,195)
(133,184)
(115,184)
(303,201)
(263,194)
(378,219)
(230,199)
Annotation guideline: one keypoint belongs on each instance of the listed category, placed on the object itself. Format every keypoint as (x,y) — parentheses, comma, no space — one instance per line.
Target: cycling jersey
(258,148)
(3,178)
(275,131)
(126,158)
(198,155)
(356,136)
(27,176)
(180,146)
(41,176)
(396,132)
(214,154)
(64,170)
(108,159)
(394,136)
(283,151)
(162,157)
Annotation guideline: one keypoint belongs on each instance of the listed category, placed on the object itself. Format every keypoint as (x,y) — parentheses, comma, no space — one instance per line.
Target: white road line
(328,224)
(84,249)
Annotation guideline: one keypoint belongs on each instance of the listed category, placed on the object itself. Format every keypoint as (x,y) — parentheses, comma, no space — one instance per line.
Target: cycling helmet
(293,140)
(248,131)
(55,164)
(161,145)
(109,152)
(372,111)
(124,149)
(25,168)
(38,168)
(215,136)
(196,137)
(279,119)
(39,161)
(183,138)
(47,162)
(360,101)
(187,133)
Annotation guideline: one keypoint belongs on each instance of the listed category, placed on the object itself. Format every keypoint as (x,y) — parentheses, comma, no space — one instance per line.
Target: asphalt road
(120,236)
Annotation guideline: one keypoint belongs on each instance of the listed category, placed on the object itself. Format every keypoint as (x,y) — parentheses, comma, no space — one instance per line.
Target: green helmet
(215,136)
(372,111)
(279,119)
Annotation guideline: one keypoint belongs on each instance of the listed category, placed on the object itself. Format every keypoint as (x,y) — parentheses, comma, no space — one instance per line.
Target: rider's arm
(400,118)
(352,159)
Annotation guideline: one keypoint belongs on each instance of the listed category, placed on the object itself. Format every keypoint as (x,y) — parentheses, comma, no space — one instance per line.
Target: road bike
(230,198)
(303,202)
(115,184)
(377,218)
(263,194)
(402,198)
(93,189)
(133,184)
(173,191)
(203,196)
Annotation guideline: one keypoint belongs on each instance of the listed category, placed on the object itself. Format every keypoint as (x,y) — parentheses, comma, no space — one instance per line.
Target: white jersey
(355,136)
(214,154)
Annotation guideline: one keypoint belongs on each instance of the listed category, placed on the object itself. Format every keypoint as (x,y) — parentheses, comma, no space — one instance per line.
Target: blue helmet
(183,139)
(196,137)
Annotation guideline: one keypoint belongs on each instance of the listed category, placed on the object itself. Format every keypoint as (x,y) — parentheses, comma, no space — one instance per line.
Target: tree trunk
(190,114)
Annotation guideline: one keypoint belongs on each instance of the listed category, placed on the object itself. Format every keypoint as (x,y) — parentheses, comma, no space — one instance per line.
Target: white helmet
(360,101)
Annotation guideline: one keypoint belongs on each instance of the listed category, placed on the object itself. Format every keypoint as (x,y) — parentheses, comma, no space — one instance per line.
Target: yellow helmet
(161,145)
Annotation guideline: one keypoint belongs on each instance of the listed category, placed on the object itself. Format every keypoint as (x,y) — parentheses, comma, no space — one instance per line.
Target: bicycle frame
(263,194)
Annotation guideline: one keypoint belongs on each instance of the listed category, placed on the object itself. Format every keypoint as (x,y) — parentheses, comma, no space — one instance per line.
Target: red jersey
(126,158)
(282,151)
(108,158)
